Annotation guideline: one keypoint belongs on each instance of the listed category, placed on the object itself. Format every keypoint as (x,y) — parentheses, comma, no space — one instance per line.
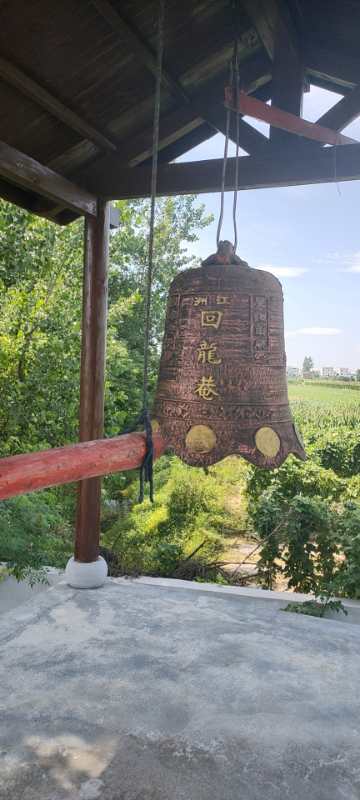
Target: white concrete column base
(81,575)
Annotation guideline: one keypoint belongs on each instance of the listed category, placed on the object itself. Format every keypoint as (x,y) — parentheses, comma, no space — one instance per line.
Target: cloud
(313,332)
(350,261)
(284,272)
(352,268)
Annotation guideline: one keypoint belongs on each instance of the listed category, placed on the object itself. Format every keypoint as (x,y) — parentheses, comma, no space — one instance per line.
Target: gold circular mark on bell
(155,426)
(267,441)
(200,439)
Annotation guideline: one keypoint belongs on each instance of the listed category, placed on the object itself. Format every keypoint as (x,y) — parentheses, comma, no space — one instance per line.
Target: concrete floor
(14,593)
(150,692)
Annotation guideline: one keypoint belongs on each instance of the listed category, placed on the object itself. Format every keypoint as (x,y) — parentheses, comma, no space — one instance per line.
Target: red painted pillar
(92,380)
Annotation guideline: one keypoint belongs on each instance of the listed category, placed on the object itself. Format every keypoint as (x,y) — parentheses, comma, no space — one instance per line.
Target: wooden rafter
(254,173)
(139,48)
(338,68)
(25,172)
(198,105)
(276,29)
(182,145)
(27,86)
(287,76)
(269,17)
(174,125)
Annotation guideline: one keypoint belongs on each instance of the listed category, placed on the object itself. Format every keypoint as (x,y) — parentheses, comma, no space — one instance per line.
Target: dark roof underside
(77,78)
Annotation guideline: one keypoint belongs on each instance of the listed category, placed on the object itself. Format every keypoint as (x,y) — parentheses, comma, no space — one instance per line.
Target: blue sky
(309,236)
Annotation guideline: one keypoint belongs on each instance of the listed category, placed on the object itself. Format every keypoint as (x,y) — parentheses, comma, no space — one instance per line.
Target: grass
(322,394)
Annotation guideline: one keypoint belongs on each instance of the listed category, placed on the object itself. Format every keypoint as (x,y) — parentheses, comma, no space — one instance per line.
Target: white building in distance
(328,372)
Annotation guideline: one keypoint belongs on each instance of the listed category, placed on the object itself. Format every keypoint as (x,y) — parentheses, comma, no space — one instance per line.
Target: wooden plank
(138,46)
(34,471)
(269,17)
(92,374)
(16,77)
(23,171)
(336,66)
(174,125)
(204,105)
(251,140)
(185,143)
(286,121)
(291,169)
(262,15)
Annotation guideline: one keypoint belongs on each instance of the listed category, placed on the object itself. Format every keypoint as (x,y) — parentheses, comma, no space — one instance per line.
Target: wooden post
(287,80)
(92,378)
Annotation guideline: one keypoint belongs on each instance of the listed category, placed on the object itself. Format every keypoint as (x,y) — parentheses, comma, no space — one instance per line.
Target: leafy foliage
(188,519)
(33,534)
(40,322)
(306,515)
(312,608)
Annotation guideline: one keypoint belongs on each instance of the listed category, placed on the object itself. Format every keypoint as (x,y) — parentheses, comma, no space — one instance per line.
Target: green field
(319,406)
(332,394)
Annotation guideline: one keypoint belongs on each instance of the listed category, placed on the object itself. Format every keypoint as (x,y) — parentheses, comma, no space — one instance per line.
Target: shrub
(295,477)
(348,578)
(338,450)
(299,541)
(33,534)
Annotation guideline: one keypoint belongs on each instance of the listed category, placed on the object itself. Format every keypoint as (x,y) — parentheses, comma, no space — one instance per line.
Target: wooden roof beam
(292,169)
(251,140)
(276,29)
(30,88)
(287,78)
(23,171)
(181,146)
(139,47)
(268,16)
(335,67)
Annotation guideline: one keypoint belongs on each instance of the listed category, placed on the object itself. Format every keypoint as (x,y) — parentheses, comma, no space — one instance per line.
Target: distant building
(345,372)
(314,373)
(293,372)
(328,372)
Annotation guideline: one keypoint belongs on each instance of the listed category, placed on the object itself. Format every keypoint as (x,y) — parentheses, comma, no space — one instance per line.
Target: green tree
(41,268)
(40,317)
(308,364)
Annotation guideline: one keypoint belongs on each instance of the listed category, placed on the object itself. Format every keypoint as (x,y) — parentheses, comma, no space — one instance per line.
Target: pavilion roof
(77,91)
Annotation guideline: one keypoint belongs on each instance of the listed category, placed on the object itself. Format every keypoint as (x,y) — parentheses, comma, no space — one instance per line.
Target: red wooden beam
(283,119)
(33,471)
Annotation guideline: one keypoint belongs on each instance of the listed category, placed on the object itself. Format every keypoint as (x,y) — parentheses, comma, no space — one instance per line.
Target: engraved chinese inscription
(211,319)
(207,353)
(206,388)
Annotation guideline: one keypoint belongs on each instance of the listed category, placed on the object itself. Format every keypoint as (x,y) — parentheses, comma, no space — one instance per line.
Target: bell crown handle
(225,254)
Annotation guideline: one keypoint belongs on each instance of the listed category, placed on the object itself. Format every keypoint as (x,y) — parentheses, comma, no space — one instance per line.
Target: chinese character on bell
(207,388)
(207,353)
(211,319)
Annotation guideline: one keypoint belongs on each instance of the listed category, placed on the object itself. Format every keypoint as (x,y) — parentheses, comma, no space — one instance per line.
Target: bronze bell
(222,385)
